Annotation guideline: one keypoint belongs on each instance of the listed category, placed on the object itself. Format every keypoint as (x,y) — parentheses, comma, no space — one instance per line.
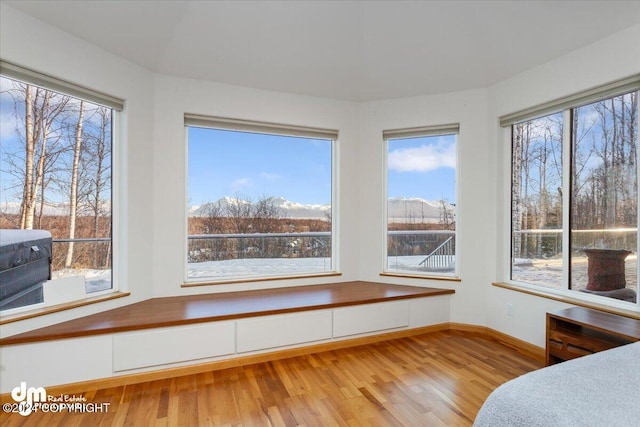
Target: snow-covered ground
(412,263)
(548,272)
(283,266)
(543,272)
(211,270)
(95,280)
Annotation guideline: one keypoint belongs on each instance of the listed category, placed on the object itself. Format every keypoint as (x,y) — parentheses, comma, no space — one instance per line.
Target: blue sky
(422,167)
(224,163)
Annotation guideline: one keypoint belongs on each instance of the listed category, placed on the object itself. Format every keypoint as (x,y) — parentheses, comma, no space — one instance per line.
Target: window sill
(60,307)
(631,313)
(419,276)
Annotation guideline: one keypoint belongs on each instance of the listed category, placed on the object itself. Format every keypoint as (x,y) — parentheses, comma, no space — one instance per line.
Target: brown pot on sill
(605,270)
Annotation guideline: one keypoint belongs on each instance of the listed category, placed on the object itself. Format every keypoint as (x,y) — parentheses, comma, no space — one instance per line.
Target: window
(574,194)
(259,200)
(56,150)
(421,201)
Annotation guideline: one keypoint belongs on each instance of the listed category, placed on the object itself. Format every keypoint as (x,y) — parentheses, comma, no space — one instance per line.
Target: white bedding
(599,390)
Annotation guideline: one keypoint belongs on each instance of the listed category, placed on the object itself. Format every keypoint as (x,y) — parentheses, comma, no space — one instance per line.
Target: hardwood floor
(436,379)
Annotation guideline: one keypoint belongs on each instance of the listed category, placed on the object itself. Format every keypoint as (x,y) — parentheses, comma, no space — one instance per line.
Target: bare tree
(520,141)
(447,215)
(265,215)
(73,197)
(98,150)
(238,210)
(42,110)
(213,213)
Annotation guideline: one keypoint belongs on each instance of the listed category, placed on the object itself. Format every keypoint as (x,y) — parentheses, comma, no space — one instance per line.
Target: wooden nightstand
(579,331)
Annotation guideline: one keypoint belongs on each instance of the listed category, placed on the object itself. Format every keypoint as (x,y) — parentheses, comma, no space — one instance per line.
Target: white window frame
(117,106)
(268,128)
(416,132)
(564,105)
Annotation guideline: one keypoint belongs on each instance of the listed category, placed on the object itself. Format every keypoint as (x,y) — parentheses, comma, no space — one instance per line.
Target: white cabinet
(172,345)
(366,318)
(281,330)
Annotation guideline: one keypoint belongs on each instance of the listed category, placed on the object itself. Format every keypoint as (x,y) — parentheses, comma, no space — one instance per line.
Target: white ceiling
(351,50)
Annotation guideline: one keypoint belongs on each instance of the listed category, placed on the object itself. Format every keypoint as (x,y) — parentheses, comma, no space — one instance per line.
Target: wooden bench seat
(183,310)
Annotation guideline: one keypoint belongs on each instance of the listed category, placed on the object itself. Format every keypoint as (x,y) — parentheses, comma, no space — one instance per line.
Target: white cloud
(240,183)
(270,176)
(424,158)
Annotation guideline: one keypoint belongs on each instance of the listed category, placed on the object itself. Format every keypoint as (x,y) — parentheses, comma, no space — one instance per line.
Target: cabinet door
(172,345)
(283,330)
(366,318)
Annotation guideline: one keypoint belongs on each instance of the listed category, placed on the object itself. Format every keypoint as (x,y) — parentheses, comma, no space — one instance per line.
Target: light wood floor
(437,379)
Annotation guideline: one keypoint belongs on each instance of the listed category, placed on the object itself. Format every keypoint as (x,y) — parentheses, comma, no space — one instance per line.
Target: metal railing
(546,243)
(89,239)
(88,253)
(442,257)
(434,249)
(219,247)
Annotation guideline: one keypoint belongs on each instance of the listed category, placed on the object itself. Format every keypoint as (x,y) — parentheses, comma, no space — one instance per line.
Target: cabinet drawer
(172,345)
(566,351)
(283,330)
(585,343)
(370,318)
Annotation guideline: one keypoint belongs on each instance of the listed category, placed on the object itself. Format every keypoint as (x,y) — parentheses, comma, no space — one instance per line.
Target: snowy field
(95,280)
(543,272)
(211,270)
(412,263)
(548,272)
(284,266)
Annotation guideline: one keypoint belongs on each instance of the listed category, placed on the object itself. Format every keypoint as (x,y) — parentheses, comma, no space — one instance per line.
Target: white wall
(607,60)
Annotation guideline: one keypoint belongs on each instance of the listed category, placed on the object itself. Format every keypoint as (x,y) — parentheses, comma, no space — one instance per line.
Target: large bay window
(260,200)
(421,201)
(574,194)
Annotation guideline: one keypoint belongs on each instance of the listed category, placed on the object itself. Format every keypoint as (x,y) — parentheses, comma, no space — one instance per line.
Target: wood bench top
(184,310)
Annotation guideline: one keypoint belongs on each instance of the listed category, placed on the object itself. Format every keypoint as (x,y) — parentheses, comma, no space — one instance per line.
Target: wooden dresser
(579,331)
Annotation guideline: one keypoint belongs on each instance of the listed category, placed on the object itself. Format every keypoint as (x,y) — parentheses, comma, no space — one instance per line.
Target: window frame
(417,132)
(565,106)
(264,128)
(117,106)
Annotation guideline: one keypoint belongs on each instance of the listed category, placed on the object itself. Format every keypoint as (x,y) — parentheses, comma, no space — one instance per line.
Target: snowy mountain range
(414,209)
(289,209)
(400,209)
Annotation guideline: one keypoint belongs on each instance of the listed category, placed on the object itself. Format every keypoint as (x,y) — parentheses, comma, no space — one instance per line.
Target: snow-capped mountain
(287,208)
(399,209)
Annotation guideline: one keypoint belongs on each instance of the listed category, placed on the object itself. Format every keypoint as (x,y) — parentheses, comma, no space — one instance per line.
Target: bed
(596,390)
(25,264)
